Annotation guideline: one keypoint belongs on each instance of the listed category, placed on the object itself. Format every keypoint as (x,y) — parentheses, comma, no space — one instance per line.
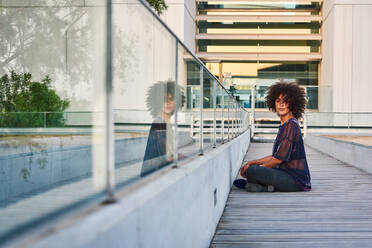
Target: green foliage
(158,5)
(22,100)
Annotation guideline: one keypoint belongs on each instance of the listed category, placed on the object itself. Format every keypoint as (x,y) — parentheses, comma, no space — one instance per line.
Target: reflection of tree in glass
(58,41)
(127,70)
(34,31)
(44,40)
(22,100)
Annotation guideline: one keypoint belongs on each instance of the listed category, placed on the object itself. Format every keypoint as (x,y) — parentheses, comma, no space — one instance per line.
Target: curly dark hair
(293,94)
(157,95)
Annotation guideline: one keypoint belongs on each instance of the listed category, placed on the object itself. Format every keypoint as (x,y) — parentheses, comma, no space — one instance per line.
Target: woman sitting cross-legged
(286,168)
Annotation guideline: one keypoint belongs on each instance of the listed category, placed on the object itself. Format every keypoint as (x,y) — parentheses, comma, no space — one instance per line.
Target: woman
(286,168)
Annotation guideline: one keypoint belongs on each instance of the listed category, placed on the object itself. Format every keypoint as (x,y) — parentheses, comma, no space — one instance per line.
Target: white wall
(347,53)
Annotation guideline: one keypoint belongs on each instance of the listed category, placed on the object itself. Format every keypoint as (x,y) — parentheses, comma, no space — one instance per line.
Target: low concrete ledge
(357,155)
(173,208)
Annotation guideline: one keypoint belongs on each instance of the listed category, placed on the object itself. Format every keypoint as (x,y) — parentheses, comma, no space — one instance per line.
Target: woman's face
(281,106)
(168,106)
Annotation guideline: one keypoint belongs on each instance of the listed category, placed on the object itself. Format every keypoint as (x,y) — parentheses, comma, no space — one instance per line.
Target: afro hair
(293,94)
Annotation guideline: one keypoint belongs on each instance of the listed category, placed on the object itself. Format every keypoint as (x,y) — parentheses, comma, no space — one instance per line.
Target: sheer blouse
(289,147)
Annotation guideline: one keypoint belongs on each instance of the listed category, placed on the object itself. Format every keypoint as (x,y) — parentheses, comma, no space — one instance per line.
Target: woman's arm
(257,161)
(260,161)
(268,161)
(272,162)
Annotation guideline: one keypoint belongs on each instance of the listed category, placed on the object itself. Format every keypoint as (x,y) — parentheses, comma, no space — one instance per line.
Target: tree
(158,5)
(22,100)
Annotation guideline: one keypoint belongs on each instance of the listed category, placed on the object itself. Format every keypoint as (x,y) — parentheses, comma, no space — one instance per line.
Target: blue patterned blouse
(289,147)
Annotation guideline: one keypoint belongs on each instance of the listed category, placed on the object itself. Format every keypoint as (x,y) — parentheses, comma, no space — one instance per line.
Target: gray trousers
(266,176)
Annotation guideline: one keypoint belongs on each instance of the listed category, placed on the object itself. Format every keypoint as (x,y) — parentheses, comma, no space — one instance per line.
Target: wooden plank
(336,213)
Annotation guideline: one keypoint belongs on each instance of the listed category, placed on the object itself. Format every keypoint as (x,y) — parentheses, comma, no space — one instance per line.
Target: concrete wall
(347,53)
(351,153)
(176,208)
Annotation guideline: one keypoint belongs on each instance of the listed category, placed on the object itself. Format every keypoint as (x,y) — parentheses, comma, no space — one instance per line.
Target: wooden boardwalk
(336,213)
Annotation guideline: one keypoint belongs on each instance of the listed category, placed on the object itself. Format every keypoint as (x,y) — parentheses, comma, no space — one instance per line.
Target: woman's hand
(244,168)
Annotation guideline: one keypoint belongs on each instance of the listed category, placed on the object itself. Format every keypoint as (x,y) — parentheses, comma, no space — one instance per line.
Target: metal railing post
(241,120)
(304,118)
(176,101)
(192,112)
(253,102)
(110,177)
(305,125)
(228,118)
(233,119)
(244,121)
(214,114)
(201,112)
(44,119)
(222,117)
(236,120)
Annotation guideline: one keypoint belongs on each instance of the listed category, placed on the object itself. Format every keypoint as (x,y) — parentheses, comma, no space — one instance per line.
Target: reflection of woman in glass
(286,168)
(160,144)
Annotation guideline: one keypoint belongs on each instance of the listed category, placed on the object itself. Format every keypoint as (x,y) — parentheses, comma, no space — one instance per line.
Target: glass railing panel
(235,118)
(145,92)
(248,120)
(338,119)
(219,113)
(228,118)
(312,93)
(321,98)
(188,116)
(207,109)
(55,60)
(361,120)
(318,97)
(81,119)
(242,124)
(327,119)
